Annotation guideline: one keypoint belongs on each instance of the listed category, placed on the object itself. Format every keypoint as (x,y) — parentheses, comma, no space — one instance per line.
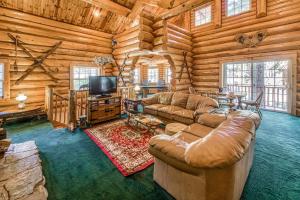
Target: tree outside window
(81,76)
(153,75)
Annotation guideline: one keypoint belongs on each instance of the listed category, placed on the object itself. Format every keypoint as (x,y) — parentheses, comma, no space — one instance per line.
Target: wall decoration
(37,61)
(103,60)
(251,41)
(185,66)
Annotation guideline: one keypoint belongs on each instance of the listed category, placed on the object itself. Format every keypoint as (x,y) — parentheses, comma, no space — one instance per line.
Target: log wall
(172,41)
(133,42)
(211,45)
(79,46)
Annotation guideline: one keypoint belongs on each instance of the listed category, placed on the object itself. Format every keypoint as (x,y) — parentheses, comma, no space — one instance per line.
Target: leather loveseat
(177,106)
(207,160)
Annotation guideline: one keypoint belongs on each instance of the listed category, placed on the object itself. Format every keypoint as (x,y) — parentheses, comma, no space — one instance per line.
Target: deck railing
(275,97)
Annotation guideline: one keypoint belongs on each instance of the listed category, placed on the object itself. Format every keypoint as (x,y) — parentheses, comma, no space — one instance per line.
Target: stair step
(58,125)
(298,111)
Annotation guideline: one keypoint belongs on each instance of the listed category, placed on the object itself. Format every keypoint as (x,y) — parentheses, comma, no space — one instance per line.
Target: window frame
(167,77)
(203,7)
(237,14)
(290,55)
(73,66)
(6,79)
(157,74)
(139,75)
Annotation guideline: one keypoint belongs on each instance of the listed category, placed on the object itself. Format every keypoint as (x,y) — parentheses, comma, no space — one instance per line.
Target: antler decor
(251,41)
(103,60)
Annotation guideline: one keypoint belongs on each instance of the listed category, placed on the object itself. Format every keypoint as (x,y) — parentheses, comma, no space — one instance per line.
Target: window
(235,7)
(203,15)
(1,80)
(136,75)
(80,76)
(4,79)
(168,75)
(270,76)
(153,75)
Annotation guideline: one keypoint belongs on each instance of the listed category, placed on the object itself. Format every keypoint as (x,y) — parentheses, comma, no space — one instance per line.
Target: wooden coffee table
(140,121)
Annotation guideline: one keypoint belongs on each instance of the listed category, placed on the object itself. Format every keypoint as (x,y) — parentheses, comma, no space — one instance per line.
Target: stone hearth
(21,174)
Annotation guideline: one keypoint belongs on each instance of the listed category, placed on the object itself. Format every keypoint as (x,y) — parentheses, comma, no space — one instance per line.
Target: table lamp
(137,90)
(21,98)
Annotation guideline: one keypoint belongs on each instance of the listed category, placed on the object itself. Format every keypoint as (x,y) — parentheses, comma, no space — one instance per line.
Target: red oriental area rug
(126,147)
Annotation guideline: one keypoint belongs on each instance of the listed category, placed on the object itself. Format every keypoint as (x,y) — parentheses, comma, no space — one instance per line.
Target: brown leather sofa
(177,106)
(207,161)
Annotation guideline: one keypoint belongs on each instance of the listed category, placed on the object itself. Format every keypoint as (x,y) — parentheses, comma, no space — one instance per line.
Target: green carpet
(75,168)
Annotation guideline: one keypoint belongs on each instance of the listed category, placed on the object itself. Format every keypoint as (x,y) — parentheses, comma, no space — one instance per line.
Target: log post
(261,8)
(72,110)
(49,102)
(218,13)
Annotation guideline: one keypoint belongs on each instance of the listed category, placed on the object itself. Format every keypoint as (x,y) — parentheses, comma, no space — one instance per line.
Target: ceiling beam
(137,9)
(181,8)
(110,6)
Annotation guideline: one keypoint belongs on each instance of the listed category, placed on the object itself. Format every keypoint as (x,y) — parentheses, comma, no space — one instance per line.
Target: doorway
(273,77)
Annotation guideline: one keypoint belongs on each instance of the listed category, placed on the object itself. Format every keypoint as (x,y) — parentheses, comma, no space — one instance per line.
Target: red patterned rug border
(119,167)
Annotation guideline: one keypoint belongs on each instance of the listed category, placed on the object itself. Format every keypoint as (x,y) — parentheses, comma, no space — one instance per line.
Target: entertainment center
(103,109)
(102,106)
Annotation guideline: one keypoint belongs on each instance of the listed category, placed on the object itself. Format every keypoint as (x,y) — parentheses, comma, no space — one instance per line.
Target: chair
(161,83)
(256,104)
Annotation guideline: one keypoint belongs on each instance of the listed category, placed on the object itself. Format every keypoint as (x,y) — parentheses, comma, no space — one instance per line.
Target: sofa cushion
(212,120)
(193,101)
(179,99)
(170,109)
(185,113)
(155,106)
(182,119)
(167,111)
(198,130)
(231,140)
(165,98)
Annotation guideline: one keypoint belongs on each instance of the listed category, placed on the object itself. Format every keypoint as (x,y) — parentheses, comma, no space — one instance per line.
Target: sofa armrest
(200,111)
(150,100)
(170,146)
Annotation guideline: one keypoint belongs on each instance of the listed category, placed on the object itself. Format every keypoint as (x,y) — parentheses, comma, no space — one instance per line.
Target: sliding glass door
(272,77)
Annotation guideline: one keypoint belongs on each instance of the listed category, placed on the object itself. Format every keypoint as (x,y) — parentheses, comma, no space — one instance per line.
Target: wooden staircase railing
(81,97)
(57,107)
(66,111)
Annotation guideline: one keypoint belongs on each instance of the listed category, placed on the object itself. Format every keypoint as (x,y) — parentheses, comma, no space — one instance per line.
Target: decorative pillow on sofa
(179,99)
(193,101)
(165,98)
(211,119)
(208,102)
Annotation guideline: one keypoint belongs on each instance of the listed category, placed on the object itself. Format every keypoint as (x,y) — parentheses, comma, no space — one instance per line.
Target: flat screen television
(102,85)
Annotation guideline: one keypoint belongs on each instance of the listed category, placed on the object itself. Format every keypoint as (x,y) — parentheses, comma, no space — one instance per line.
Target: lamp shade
(137,88)
(21,97)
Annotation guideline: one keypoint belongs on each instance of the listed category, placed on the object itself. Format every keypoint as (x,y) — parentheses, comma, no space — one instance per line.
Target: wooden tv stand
(103,109)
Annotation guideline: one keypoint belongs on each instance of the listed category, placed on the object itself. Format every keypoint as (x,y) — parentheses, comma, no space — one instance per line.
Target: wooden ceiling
(93,14)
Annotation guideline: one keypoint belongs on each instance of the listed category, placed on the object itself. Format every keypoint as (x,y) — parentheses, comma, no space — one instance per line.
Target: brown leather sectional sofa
(177,106)
(209,160)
